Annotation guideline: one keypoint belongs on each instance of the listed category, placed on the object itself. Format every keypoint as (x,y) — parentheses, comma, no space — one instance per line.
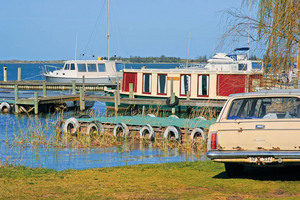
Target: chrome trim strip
(246,154)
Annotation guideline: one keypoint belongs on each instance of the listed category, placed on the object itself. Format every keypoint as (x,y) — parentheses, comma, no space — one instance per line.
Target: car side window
(266,108)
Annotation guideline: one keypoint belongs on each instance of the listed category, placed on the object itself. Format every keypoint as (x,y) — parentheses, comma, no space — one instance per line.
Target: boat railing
(49,68)
(192,65)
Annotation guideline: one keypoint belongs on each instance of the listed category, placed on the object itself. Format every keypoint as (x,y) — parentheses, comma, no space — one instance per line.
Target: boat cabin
(192,83)
(94,71)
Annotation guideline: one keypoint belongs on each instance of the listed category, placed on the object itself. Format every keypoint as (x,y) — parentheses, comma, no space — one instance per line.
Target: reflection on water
(30,141)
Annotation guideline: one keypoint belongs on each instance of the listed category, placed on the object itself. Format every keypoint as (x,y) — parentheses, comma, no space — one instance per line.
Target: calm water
(19,133)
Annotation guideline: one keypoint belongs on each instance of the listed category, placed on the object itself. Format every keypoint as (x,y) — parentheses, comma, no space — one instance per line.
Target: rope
(32,77)
(94,27)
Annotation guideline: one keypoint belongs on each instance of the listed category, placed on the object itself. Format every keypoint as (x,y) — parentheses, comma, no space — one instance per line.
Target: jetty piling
(5,74)
(73,87)
(19,73)
(44,89)
(16,98)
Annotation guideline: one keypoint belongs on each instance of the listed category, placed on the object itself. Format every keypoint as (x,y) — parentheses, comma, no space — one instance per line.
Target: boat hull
(100,80)
(160,108)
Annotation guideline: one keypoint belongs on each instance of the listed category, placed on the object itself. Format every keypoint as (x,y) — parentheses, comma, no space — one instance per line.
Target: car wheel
(234,169)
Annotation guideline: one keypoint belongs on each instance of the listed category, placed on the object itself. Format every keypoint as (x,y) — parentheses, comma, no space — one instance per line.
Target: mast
(107,29)
(187,60)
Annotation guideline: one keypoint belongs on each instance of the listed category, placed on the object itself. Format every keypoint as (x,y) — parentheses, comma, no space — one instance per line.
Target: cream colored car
(260,128)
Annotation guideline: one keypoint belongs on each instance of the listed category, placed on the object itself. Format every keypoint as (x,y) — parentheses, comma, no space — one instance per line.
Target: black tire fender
(175,103)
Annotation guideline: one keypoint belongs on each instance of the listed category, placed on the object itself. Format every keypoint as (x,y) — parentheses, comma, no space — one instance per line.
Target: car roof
(269,92)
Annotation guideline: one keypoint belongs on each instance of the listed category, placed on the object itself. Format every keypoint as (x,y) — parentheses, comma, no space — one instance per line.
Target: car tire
(234,169)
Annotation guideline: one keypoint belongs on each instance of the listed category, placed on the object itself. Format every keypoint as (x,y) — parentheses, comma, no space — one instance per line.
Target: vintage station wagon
(259,128)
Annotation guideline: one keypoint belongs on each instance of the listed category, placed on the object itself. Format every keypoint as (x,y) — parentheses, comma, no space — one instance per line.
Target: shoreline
(30,62)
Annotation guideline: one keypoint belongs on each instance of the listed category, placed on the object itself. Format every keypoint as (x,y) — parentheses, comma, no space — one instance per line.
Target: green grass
(187,180)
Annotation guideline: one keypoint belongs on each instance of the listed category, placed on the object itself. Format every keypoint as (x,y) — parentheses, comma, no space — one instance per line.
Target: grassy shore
(187,180)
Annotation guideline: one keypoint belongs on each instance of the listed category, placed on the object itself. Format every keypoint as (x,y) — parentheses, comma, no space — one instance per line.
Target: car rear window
(265,108)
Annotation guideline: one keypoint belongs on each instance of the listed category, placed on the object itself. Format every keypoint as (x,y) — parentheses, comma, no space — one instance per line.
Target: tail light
(214,140)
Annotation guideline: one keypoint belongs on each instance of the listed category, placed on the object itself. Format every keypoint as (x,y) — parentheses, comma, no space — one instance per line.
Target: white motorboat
(94,71)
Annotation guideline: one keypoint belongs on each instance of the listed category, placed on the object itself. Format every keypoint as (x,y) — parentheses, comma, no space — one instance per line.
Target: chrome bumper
(246,154)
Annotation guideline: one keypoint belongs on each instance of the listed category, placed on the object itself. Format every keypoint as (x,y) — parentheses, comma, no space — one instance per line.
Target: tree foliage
(275,29)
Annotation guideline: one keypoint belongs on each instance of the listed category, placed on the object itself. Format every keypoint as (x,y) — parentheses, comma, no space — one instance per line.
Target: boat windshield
(69,66)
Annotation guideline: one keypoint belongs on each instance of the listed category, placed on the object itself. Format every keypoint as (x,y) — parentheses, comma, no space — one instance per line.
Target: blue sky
(47,30)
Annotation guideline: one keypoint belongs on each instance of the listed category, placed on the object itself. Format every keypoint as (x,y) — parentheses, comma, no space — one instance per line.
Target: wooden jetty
(34,104)
(38,103)
(43,85)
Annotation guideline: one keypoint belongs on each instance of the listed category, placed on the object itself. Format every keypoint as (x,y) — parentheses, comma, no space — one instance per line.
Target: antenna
(107,29)
(187,60)
(76,47)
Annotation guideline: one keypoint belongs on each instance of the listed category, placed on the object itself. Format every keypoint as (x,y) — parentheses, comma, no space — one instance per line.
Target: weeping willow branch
(275,30)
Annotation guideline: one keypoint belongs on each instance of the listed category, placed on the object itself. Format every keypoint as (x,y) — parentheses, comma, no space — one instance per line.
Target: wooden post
(83,83)
(5,74)
(16,98)
(131,90)
(19,73)
(143,112)
(118,89)
(116,102)
(73,87)
(172,95)
(44,89)
(172,85)
(188,95)
(36,103)
(82,100)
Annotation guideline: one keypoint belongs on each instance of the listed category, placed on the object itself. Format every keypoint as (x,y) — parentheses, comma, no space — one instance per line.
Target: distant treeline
(134,59)
(161,59)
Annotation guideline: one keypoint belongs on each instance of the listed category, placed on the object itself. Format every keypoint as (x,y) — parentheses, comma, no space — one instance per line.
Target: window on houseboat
(256,65)
(185,84)
(73,66)
(120,66)
(162,84)
(81,67)
(243,67)
(203,81)
(147,83)
(92,67)
(265,108)
(101,67)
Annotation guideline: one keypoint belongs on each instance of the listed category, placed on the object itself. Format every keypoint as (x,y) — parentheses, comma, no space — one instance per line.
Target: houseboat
(94,71)
(223,75)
